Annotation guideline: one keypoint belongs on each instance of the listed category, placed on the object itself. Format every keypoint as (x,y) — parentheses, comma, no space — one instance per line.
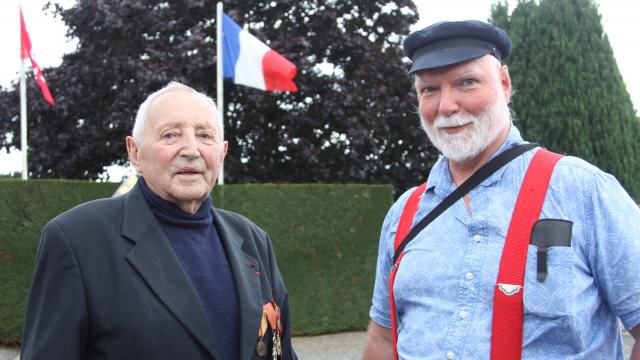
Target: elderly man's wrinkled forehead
(176,102)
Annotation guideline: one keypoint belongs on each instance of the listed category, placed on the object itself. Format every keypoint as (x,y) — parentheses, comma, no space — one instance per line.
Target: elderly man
(543,273)
(159,273)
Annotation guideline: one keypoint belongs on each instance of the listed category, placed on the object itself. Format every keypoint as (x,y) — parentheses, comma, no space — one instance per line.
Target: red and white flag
(25,53)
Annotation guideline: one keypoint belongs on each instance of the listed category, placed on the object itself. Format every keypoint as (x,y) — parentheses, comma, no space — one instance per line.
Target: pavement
(9,354)
(347,345)
(341,346)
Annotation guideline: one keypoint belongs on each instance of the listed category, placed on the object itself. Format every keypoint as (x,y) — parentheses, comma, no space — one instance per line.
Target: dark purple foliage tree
(353,119)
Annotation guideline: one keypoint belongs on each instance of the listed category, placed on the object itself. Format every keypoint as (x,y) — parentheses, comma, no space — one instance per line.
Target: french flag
(248,61)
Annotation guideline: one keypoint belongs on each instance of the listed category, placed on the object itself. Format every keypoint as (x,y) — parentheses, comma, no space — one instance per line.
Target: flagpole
(23,120)
(220,80)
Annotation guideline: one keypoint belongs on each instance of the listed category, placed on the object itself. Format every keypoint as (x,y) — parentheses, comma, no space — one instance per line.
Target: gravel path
(342,346)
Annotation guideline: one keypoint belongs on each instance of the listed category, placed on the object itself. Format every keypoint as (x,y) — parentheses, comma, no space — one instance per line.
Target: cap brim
(445,57)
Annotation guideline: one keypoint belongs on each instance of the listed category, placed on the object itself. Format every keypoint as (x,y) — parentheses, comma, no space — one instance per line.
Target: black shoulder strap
(479,176)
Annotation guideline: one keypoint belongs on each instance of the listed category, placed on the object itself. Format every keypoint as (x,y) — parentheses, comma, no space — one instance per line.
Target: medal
(261,348)
(274,350)
(278,344)
(277,332)
(271,317)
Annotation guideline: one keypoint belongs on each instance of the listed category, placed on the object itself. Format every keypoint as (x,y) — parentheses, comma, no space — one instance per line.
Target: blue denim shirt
(445,283)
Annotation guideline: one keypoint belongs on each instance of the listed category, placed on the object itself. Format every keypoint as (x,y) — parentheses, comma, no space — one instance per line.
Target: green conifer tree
(570,96)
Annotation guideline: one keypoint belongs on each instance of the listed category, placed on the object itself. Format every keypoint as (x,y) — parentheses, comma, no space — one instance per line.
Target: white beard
(484,129)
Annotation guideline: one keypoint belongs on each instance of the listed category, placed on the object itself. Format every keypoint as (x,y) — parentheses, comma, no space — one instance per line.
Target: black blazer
(107,285)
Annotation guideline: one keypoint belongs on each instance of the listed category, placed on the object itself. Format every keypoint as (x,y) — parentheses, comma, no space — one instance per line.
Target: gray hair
(143,111)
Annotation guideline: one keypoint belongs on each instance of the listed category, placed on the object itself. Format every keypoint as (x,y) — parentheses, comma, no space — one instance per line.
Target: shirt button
(451,355)
(477,238)
(462,314)
(469,276)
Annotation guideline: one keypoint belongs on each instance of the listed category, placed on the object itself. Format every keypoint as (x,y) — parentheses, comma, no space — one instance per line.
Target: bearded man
(539,260)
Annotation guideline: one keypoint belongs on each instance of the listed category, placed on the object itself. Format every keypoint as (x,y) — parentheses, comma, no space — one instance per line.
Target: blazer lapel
(153,257)
(247,279)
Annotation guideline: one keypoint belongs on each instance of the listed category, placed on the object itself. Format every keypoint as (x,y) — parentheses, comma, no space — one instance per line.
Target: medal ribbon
(263,325)
(271,314)
(277,317)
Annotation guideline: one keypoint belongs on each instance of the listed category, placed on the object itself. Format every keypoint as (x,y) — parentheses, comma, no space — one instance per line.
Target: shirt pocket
(552,298)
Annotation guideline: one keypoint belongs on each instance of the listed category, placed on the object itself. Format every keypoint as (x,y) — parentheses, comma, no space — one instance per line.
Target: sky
(49,40)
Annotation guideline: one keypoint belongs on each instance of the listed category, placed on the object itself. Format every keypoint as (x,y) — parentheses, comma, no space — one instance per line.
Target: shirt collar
(440,177)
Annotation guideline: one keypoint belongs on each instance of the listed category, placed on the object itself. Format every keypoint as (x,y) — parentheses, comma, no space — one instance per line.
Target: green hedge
(26,207)
(325,238)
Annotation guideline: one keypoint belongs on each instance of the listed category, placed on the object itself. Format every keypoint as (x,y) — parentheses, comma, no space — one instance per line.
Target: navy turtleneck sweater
(196,243)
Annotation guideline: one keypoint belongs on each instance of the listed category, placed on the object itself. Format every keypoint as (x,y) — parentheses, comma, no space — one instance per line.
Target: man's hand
(379,343)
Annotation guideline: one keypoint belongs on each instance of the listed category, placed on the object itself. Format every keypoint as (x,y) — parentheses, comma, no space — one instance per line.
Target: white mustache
(453,121)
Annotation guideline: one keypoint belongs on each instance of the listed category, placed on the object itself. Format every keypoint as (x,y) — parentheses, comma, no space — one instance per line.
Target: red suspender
(404,226)
(506,337)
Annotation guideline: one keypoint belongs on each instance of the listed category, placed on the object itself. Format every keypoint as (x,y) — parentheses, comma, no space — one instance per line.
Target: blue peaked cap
(452,42)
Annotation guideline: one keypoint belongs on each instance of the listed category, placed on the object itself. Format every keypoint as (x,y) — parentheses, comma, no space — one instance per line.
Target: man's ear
(505,81)
(133,151)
